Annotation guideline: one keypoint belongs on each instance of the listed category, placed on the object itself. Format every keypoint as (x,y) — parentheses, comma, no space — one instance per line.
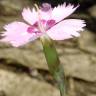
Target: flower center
(30,29)
(50,23)
(46,23)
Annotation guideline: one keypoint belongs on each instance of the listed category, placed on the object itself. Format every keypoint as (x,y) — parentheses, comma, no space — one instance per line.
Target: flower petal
(16,34)
(46,15)
(66,29)
(30,15)
(62,11)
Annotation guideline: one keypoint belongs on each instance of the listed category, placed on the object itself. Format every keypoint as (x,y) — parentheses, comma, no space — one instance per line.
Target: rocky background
(23,70)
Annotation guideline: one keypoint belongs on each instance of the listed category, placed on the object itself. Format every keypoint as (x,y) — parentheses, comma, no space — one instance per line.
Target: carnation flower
(52,20)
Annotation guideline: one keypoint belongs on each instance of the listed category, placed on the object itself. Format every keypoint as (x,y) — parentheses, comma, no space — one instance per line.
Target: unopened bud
(45,7)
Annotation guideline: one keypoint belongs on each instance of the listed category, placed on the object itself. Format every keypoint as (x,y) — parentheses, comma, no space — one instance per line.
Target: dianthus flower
(53,21)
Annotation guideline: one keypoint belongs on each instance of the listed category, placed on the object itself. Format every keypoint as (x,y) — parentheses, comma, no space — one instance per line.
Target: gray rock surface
(12,84)
(92,11)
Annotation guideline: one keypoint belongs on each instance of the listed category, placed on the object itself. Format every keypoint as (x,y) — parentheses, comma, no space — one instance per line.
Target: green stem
(53,62)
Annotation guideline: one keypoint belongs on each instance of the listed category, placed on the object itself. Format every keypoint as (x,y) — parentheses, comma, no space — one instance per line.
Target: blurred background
(23,70)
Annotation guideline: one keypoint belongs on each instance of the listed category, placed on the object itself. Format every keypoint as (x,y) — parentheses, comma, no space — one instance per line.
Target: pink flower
(52,19)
